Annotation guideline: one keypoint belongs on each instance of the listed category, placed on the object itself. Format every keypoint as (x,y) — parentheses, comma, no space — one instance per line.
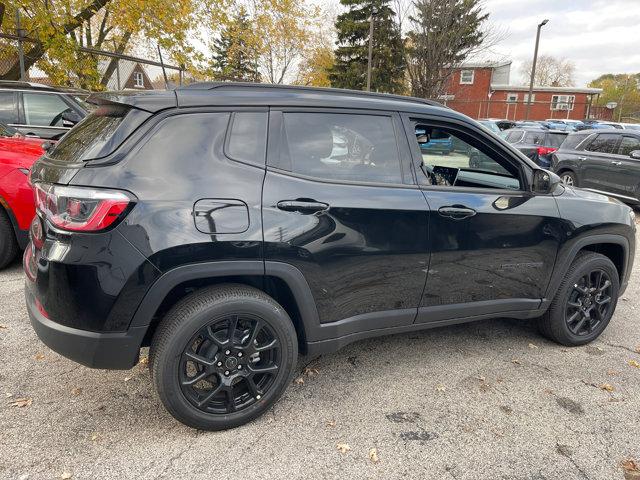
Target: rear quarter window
(556,139)
(88,139)
(572,141)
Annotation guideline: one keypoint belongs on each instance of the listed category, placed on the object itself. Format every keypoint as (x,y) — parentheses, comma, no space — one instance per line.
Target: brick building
(482,90)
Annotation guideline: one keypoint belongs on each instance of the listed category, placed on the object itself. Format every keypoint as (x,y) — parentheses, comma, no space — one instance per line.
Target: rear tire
(584,302)
(569,179)
(8,244)
(222,356)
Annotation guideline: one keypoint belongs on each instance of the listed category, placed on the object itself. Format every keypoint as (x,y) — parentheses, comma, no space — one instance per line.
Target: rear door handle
(613,162)
(302,206)
(456,212)
(582,158)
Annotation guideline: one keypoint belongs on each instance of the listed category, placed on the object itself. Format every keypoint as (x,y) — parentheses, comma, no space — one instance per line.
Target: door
(595,172)
(42,114)
(493,243)
(341,205)
(624,178)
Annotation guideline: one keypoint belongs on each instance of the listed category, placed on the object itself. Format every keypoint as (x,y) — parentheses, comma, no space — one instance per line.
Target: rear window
(535,138)
(88,138)
(572,141)
(555,140)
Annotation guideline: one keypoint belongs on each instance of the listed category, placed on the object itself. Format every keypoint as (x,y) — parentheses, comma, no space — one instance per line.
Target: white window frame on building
(138,79)
(562,102)
(512,97)
(469,80)
(526,98)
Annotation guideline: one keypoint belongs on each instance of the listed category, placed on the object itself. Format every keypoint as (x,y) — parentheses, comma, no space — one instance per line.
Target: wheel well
(275,287)
(613,251)
(565,169)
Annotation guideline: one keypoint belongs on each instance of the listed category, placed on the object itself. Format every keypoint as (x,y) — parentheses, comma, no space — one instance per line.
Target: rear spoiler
(151,101)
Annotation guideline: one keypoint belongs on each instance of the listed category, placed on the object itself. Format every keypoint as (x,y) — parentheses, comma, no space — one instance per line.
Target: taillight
(80,209)
(546,150)
(36,232)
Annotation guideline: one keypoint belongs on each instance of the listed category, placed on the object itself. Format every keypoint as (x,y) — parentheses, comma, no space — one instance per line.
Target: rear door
(596,162)
(493,243)
(340,204)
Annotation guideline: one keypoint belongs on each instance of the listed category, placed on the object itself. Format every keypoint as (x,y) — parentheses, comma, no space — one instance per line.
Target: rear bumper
(116,351)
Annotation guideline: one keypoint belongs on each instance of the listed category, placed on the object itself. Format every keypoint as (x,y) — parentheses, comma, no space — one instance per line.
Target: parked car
(166,219)
(537,144)
(492,126)
(17,154)
(438,143)
(570,125)
(39,110)
(631,126)
(605,161)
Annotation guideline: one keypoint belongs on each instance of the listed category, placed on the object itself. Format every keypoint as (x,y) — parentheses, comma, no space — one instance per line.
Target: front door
(340,204)
(493,243)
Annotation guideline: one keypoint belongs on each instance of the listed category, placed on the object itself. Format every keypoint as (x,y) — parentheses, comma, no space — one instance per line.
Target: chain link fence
(84,68)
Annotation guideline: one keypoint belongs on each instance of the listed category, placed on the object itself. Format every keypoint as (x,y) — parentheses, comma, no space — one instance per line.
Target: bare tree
(550,72)
(443,34)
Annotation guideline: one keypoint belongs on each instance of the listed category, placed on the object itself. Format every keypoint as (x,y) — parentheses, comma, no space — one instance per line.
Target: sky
(598,36)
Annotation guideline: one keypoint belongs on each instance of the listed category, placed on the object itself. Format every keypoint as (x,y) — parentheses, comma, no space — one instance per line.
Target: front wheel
(569,179)
(584,302)
(222,356)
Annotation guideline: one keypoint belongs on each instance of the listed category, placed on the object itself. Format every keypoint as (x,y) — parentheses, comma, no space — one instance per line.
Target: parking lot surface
(487,400)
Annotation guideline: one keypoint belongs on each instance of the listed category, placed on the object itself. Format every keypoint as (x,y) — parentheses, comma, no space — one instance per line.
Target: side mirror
(424,138)
(70,118)
(635,154)
(545,181)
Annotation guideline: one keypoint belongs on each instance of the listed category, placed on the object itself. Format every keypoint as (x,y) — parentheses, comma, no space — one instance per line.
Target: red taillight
(546,150)
(80,209)
(36,233)
(29,263)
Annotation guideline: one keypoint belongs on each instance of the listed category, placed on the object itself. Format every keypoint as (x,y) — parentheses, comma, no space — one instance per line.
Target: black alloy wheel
(229,364)
(589,302)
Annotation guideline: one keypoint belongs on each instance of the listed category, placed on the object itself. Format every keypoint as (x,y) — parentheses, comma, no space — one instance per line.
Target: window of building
(466,77)
(512,97)
(562,102)
(138,79)
(335,146)
(248,137)
(628,145)
(526,98)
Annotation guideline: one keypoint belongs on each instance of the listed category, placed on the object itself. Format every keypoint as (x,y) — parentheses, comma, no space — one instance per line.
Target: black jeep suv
(231,226)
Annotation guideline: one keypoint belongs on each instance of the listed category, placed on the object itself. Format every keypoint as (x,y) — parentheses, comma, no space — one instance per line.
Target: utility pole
(533,67)
(20,32)
(370,51)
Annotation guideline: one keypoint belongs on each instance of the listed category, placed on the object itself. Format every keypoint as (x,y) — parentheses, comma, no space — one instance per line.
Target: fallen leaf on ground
(311,371)
(95,437)
(625,299)
(126,379)
(299,380)
(516,361)
(630,465)
(634,363)
(533,345)
(66,476)
(607,387)
(548,391)
(481,378)
(441,388)
(638,349)
(331,423)
(76,391)
(612,372)
(3,326)
(144,361)
(373,455)
(22,402)
(343,447)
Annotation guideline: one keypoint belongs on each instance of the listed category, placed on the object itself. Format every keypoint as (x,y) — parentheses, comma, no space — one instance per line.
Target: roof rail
(21,83)
(338,91)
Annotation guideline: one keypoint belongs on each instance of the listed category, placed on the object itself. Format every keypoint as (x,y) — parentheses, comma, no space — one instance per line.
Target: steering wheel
(58,117)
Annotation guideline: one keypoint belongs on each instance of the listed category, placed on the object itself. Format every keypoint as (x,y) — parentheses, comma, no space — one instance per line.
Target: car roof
(619,131)
(20,85)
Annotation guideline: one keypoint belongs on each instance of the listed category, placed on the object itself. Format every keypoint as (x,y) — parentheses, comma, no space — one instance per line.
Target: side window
(8,107)
(572,141)
(43,109)
(337,146)
(555,140)
(534,138)
(248,137)
(514,136)
(603,143)
(454,158)
(628,145)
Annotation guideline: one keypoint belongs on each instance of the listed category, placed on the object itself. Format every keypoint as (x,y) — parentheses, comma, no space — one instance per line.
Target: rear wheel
(8,243)
(569,179)
(584,302)
(222,356)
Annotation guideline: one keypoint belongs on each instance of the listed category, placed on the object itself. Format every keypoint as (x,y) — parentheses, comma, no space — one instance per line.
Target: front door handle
(306,206)
(613,162)
(582,158)
(456,212)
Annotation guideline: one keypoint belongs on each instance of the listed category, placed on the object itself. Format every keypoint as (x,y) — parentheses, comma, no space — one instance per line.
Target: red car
(17,154)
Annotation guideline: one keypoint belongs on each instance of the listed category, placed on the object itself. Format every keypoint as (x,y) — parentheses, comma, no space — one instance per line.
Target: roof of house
(524,88)
(487,64)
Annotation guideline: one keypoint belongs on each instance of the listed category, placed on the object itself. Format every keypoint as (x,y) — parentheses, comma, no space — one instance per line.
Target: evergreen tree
(234,53)
(387,65)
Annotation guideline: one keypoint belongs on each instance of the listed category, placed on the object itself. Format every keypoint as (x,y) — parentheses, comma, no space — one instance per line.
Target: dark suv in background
(605,161)
(230,226)
(39,110)
(536,143)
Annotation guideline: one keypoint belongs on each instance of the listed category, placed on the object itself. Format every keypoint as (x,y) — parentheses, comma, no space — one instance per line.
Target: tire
(200,324)
(569,178)
(556,324)
(8,244)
